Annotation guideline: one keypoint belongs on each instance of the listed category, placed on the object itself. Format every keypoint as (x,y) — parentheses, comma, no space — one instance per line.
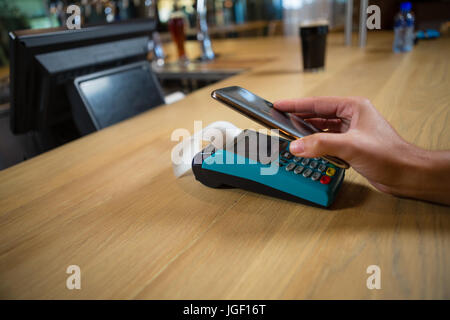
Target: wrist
(426,175)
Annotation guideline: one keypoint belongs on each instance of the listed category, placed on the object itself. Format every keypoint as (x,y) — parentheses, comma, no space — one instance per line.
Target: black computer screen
(35,106)
(114,96)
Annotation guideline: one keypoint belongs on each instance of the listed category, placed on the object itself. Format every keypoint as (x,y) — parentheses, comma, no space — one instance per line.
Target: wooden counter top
(110,203)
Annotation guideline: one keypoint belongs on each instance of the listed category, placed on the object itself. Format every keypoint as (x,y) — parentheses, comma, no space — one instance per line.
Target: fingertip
(279,104)
(297,147)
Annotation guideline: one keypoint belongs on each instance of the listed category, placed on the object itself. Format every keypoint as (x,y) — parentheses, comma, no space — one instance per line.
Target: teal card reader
(269,169)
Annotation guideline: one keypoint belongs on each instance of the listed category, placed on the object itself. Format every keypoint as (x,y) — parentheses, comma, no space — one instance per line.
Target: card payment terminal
(313,180)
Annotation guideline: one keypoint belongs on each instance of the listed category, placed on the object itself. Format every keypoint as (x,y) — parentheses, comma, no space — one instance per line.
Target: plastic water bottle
(399,30)
(409,27)
(404,29)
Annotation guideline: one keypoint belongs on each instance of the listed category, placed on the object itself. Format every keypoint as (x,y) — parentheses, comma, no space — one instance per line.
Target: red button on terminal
(325,179)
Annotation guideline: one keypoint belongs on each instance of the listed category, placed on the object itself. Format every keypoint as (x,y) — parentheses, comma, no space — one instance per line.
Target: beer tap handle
(202,32)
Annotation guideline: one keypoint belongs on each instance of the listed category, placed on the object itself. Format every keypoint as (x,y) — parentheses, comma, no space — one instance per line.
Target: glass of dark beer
(314,41)
(176,27)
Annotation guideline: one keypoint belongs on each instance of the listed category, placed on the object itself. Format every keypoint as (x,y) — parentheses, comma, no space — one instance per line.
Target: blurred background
(256,16)
(226,18)
(177,73)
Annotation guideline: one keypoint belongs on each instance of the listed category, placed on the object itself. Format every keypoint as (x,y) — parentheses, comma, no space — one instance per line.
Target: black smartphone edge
(246,112)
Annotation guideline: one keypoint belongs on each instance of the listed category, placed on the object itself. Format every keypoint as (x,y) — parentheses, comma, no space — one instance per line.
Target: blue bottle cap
(405,6)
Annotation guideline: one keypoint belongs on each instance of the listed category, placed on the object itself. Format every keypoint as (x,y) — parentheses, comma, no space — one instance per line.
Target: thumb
(320,144)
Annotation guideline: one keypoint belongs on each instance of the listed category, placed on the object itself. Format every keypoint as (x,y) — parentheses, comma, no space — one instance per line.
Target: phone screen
(263,111)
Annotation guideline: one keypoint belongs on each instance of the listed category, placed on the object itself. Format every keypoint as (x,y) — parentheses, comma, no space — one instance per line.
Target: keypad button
(290,166)
(298,159)
(316,176)
(313,164)
(325,180)
(287,155)
(298,170)
(324,161)
(305,161)
(331,171)
(322,167)
(317,158)
(307,172)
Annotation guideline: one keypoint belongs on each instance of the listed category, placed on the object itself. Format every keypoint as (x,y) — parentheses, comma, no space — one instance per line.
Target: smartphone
(262,111)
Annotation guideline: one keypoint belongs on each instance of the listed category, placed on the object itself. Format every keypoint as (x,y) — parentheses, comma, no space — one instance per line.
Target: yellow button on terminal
(331,172)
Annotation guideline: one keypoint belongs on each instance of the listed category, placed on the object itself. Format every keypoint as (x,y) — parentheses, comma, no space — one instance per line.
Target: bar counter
(110,203)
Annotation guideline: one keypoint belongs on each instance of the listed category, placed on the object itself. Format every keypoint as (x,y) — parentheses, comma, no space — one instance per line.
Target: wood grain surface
(110,203)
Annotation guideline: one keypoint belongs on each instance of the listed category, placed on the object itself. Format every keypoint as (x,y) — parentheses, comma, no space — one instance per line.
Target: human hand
(358,134)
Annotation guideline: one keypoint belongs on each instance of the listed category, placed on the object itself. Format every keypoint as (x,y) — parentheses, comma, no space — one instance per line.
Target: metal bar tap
(202,32)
